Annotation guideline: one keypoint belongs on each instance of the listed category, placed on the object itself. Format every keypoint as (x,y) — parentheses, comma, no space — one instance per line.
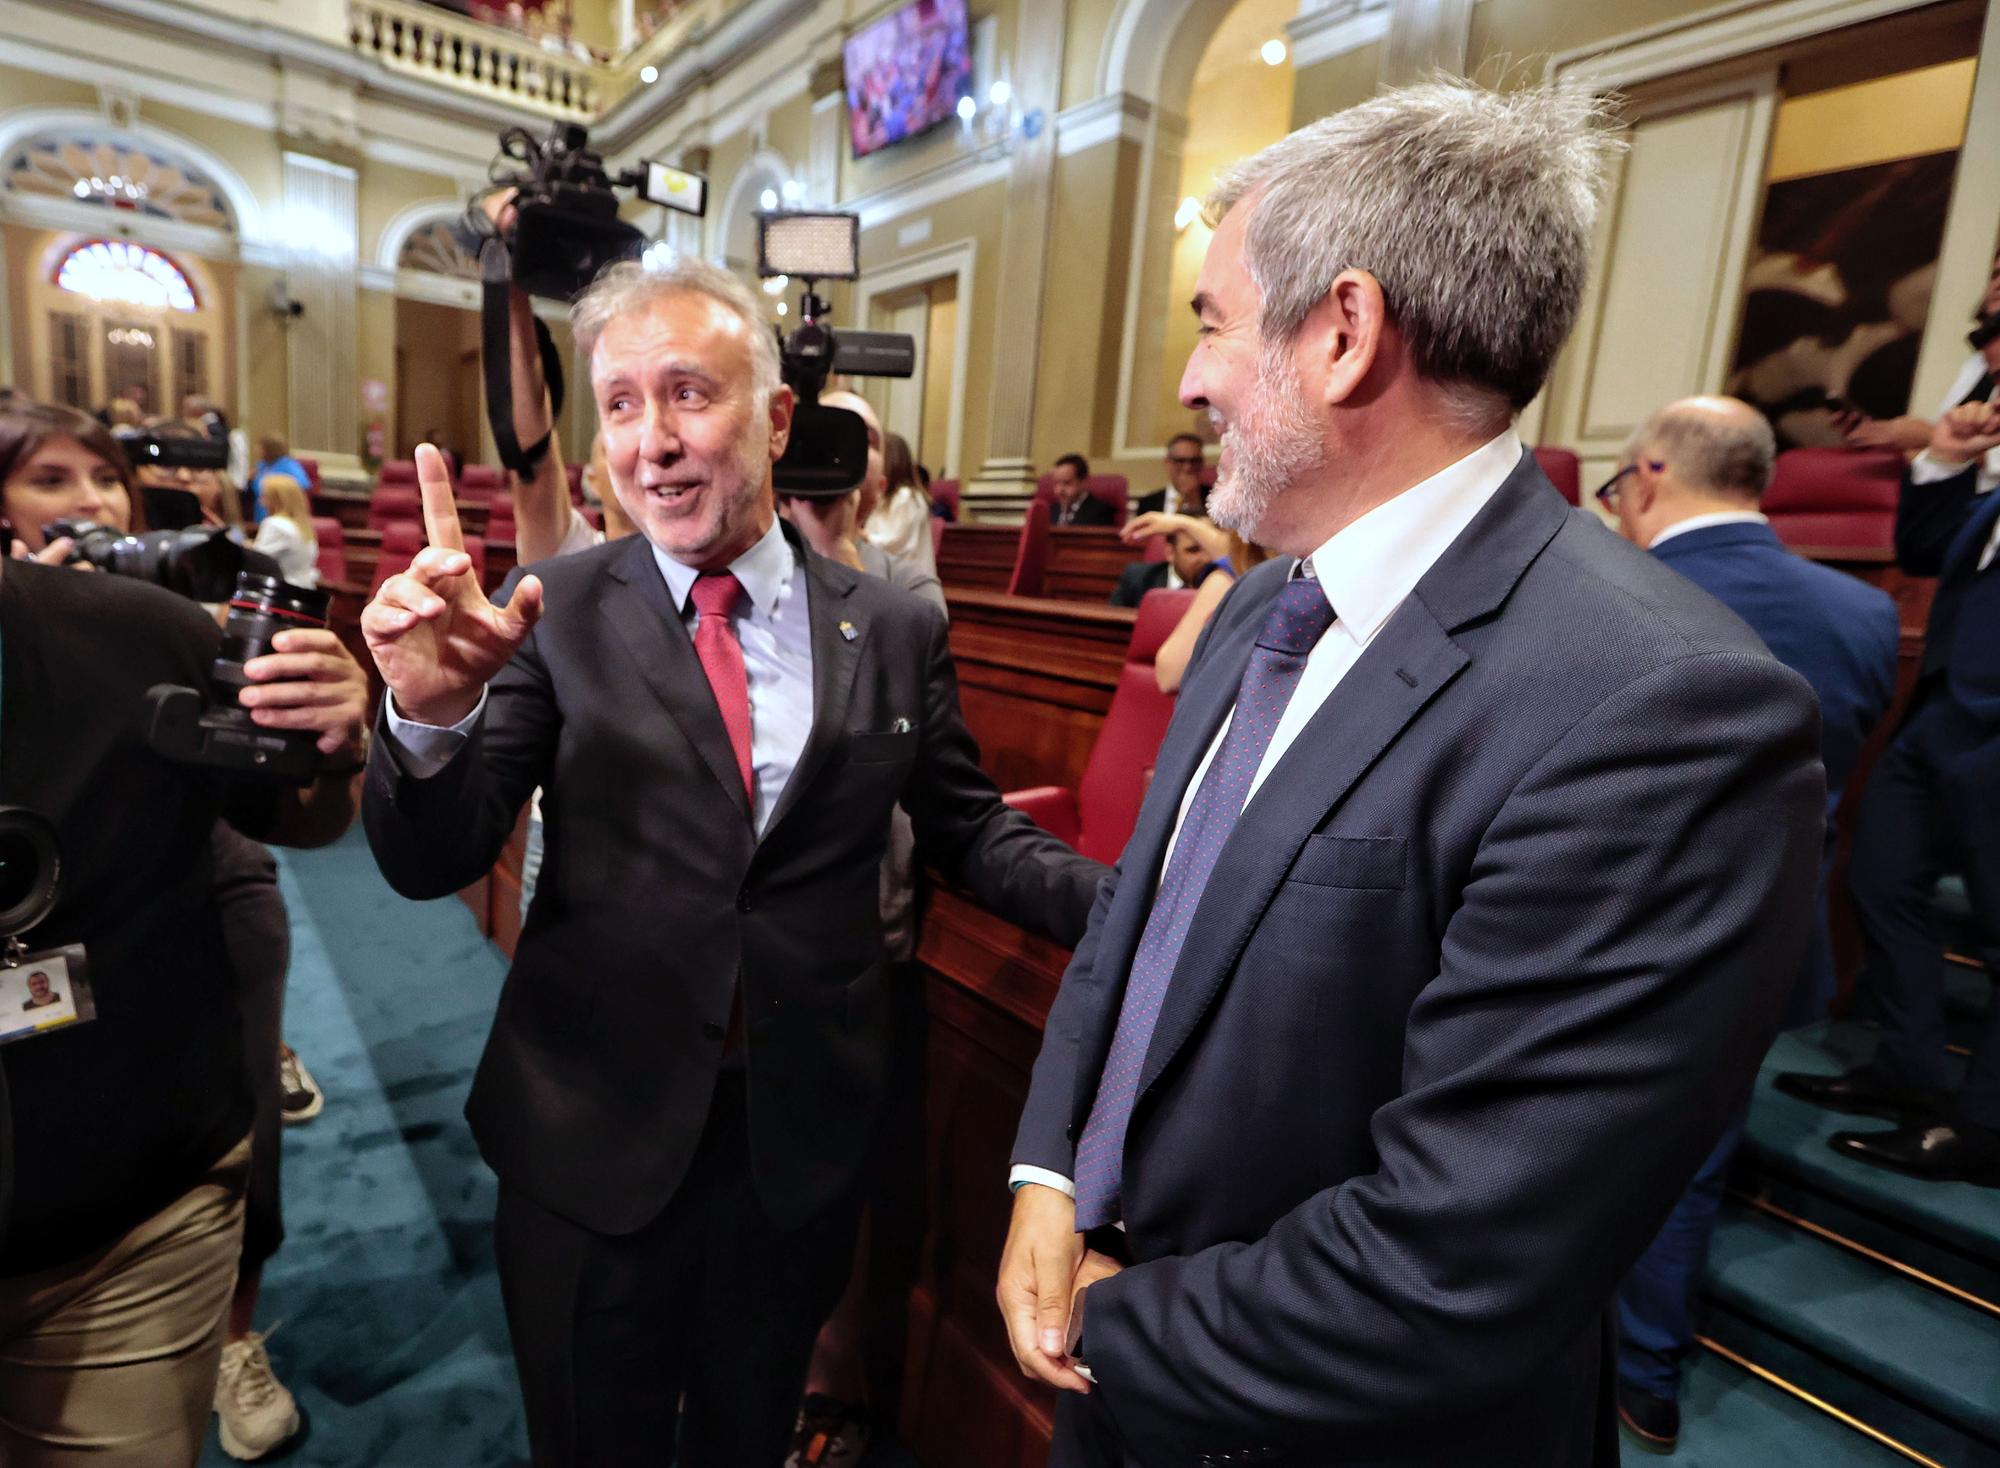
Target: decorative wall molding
(1334,27)
(960,260)
(1119,116)
(406,222)
(1719,33)
(962,175)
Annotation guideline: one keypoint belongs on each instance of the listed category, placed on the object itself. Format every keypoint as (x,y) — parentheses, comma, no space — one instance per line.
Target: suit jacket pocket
(1351,861)
(884,747)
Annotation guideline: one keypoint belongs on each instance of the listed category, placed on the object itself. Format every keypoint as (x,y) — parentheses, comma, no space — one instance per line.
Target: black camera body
(147,449)
(201,564)
(214,730)
(827,452)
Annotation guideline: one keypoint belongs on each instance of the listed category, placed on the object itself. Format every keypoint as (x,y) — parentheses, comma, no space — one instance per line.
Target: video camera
(827,453)
(147,449)
(566,225)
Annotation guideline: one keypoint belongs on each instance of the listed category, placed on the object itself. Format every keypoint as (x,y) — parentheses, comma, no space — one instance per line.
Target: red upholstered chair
(401,540)
(332,540)
(945,492)
(475,547)
(1841,499)
(1564,472)
(937,538)
(481,482)
(397,471)
(393,503)
(1031,554)
(1098,816)
(500,518)
(311,466)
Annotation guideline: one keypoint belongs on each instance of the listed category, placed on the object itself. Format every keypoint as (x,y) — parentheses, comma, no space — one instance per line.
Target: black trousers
(259,937)
(1932,806)
(693,1332)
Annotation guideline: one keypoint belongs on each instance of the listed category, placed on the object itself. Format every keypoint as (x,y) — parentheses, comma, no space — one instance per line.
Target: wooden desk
(978,556)
(1085,562)
(1035,677)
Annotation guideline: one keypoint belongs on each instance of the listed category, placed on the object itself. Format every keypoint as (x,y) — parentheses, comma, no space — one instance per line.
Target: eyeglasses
(1185,461)
(1607,492)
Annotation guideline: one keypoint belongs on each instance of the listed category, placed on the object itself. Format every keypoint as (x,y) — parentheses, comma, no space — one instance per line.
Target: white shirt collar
(1370,566)
(765,569)
(1702,522)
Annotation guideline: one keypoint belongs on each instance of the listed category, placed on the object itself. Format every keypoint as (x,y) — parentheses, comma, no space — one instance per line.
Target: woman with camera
(124,1238)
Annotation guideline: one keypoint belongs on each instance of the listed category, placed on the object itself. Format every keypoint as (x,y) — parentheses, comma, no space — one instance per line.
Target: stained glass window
(118,270)
(115,176)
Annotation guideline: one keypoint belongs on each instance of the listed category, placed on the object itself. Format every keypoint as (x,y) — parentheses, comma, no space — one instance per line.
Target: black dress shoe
(1937,1153)
(1654,1422)
(1864,1091)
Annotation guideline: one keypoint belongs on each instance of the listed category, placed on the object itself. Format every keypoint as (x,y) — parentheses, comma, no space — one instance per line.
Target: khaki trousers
(111,1360)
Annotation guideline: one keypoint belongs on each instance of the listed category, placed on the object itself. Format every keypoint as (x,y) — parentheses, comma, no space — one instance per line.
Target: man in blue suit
(1933,806)
(1687,490)
(1469,886)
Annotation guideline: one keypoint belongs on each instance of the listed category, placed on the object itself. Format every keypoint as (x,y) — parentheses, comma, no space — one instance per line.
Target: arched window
(117,176)
(432,248)
(120,271)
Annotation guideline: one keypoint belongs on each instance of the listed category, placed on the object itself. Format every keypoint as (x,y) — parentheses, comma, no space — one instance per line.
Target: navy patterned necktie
(1297,620)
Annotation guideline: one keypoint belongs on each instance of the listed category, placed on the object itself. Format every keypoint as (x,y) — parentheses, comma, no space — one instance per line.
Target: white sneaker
(257,1415)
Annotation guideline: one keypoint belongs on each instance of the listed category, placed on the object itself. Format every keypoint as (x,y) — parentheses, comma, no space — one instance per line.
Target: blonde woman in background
(286,534)
(901,524)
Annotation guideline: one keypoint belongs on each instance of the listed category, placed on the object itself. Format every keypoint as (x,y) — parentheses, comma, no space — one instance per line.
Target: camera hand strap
(496,277)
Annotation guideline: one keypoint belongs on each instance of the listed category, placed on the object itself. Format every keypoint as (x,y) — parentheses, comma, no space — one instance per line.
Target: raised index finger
(440,511)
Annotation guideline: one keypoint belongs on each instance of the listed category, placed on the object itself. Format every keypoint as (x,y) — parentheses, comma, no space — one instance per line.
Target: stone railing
(483,60)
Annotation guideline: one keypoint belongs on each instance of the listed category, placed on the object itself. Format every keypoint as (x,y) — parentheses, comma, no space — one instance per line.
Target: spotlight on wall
(1188,212)
(768,199)
(1273,51)
(1000,94)
(967,109)
(649,74)
(793,191)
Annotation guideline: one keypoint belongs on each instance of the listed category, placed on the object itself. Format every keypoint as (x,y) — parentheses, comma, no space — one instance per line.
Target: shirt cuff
(1023,1174)
(1928,468)
(424,749)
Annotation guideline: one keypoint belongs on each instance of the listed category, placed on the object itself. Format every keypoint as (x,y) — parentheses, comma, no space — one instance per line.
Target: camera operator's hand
(431,630)
(310,682)
(53,554)
(1966,433)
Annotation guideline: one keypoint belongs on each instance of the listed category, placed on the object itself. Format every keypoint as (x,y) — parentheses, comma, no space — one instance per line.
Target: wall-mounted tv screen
(906,72)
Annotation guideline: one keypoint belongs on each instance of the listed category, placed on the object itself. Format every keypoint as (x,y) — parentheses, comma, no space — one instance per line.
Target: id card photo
(39,995)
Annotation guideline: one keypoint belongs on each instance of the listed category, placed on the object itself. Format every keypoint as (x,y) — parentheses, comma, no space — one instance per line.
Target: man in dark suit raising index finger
(1478,858)
(689,1050)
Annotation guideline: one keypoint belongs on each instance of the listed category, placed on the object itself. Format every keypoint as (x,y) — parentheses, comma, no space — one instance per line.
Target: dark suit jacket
(1941,528)
(1136,580)
(656,898)
(1157,500)
(1838,632)
(1090,510)
(1505,934)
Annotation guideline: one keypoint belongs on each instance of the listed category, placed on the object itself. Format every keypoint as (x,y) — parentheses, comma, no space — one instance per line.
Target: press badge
(43,991)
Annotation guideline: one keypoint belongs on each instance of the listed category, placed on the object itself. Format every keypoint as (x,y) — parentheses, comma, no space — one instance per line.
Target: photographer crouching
(128,1107)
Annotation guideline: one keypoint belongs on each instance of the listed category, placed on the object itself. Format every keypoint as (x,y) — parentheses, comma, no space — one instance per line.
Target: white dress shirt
(1967,379)
(295,551)
(1367,571)
(772,624)
(1702,522)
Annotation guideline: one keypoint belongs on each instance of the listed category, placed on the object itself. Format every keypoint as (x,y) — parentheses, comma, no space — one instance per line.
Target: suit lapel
(836,656)
(1971,542)
(642,616)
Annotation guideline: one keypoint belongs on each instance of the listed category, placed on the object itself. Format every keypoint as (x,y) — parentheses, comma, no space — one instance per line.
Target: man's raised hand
(1966,432)
(433,634)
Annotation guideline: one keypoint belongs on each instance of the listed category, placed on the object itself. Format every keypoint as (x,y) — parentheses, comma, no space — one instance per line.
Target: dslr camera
(827,453)
(566,226)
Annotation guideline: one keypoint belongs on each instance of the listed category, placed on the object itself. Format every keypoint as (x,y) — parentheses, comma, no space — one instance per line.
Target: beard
(730,495)
(1273,444)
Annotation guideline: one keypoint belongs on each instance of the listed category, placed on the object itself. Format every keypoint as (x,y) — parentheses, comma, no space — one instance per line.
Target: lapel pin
(847,631)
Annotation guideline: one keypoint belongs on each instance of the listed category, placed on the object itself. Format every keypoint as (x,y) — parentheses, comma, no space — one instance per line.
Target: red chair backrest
(332,548)
(394,502)
(475,548)
(311,466)
(401,540)
(481,482)
(1113,489)
(945,492)
(1835,498)
(1121,762)
(397,471)
(1563,469)
(937,538)
(1031,554)
(500,518)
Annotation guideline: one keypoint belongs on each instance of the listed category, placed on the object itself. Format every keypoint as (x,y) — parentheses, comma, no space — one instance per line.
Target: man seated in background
(1687,490)
(1076,505)
(1933,806)
(1186,564)
(1183,493)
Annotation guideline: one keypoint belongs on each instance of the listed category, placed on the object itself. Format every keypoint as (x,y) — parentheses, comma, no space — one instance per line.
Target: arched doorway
(112,318)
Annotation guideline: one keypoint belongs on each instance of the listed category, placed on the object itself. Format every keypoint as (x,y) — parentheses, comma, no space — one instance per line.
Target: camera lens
(261,608)
(29,869)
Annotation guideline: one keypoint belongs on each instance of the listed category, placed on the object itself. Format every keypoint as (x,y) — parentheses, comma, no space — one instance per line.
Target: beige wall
(386,190)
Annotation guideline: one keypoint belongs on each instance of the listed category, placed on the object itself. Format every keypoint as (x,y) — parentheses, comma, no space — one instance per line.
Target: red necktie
(715,595)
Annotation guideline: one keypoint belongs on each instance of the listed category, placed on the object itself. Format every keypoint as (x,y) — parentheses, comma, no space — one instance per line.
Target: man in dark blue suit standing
(1687,490)
(1933,806)
(1469,886)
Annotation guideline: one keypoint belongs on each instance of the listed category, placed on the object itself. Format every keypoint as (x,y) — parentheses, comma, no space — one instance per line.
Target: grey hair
(1472,208)
(1710,445)
(627,284)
